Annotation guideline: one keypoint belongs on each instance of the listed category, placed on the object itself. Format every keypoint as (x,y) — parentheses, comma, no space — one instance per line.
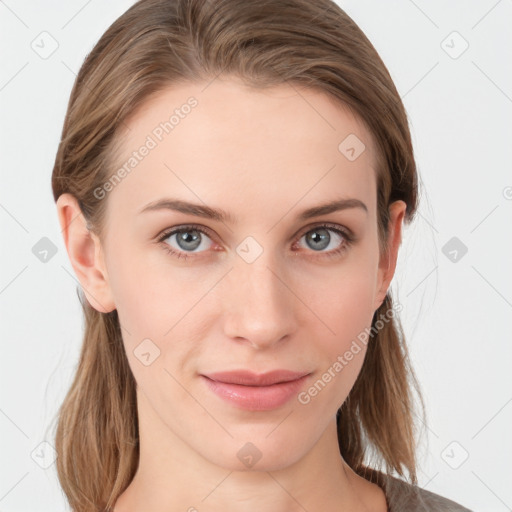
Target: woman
(257,361)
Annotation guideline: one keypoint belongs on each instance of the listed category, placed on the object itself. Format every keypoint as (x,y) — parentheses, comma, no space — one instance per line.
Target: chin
(258,452)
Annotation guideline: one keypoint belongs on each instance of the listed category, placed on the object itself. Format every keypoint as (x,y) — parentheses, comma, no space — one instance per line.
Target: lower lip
(256,398)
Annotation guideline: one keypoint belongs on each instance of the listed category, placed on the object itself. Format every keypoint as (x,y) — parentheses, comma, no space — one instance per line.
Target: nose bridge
(260,306)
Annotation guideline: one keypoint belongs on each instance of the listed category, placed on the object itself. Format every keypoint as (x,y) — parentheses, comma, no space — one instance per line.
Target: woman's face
(264,288)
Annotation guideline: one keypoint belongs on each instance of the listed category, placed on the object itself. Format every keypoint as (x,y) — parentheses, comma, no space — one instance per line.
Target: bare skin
(263,156)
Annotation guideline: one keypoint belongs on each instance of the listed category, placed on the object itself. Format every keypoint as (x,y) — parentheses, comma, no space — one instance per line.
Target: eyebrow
(221,215)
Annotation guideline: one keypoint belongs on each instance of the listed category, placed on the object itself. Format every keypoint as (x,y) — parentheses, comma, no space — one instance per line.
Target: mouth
(256,392)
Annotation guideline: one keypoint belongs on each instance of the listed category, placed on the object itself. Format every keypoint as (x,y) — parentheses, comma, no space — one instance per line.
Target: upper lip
(247,378)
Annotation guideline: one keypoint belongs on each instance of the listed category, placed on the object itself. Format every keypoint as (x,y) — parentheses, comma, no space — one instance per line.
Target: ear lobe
(387,264)
(85,254)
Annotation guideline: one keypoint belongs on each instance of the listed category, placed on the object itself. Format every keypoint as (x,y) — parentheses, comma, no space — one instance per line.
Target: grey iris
(187,242)
(324,238)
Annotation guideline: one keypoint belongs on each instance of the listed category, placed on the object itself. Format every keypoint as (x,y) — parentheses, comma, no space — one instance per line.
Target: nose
(261,306)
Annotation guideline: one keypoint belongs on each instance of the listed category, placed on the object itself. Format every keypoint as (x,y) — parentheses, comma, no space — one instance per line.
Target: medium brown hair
(158,43)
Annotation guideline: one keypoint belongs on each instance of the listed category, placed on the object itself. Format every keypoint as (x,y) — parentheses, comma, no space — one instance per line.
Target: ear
(85,254)
(387,263)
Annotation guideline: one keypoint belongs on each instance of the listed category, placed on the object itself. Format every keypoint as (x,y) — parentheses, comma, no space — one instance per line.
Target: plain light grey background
(451,64)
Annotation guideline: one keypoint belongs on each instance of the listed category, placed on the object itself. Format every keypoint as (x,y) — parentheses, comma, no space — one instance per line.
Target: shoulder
(406,497)
(402,496)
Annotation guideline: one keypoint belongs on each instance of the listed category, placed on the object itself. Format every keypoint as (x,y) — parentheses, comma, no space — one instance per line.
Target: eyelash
(349,239)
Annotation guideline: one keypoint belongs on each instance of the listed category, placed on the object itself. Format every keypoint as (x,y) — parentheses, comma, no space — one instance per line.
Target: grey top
(402,496)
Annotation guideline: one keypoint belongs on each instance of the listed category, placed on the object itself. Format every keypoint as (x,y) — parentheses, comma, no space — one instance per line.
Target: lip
(256,392)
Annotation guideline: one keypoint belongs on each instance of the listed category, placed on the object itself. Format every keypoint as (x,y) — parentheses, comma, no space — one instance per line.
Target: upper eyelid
(184,227)
(348,233)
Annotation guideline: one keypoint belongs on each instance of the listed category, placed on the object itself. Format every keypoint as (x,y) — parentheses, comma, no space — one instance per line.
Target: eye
(319,238)
(190,239)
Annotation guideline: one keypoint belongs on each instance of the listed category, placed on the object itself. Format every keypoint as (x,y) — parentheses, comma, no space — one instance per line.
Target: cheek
(350,317)
(157,305)
(344,302)
(139,304)
(150,294)
(340,354)
(345,306)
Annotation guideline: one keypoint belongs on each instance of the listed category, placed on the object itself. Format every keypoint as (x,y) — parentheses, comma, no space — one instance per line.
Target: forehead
(243,149)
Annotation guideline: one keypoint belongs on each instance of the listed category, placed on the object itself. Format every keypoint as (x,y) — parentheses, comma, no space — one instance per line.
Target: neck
(173,476)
